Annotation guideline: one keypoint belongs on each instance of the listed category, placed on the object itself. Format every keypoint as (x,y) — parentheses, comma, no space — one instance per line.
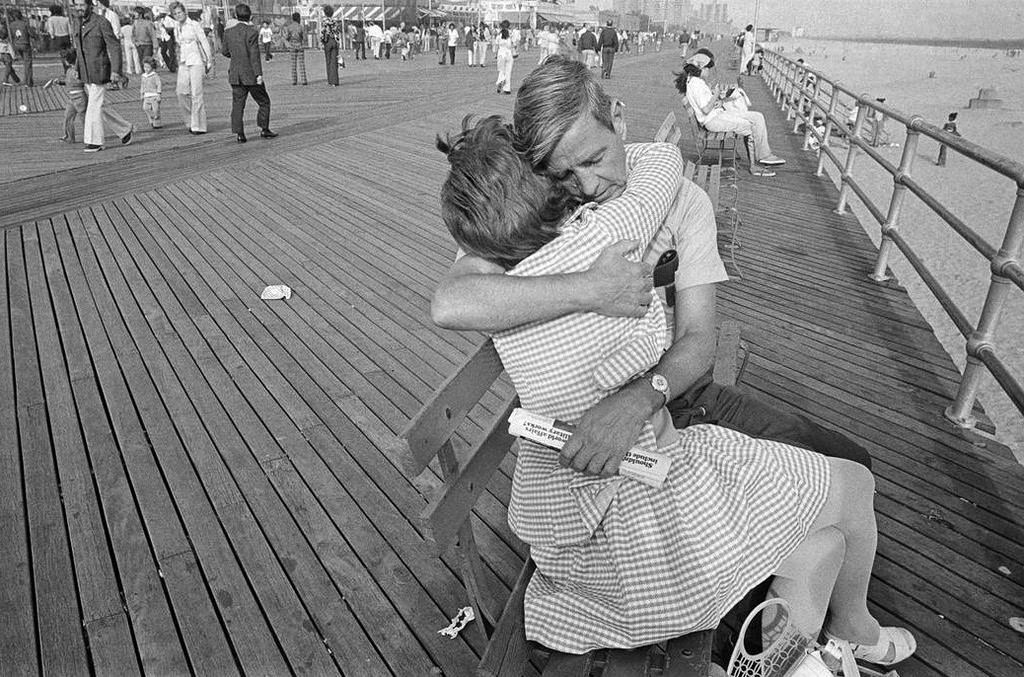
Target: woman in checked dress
(619,563)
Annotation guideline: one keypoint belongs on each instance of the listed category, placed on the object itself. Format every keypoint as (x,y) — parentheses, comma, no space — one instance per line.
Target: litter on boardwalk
(460,621)
(276,291)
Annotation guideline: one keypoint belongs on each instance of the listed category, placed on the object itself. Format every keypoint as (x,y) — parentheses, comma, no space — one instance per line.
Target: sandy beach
(932,82)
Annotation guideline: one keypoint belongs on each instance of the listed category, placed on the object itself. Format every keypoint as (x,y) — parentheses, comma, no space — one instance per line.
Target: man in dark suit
(607,45)
(99,62)
(245,74)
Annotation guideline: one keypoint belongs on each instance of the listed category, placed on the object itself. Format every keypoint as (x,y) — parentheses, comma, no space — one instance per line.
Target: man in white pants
(99,62)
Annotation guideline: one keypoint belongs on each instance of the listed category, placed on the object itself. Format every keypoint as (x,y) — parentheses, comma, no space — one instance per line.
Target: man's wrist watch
(660,384)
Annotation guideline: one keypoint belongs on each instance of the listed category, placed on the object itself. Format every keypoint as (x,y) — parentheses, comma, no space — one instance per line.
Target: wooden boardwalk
(192,480)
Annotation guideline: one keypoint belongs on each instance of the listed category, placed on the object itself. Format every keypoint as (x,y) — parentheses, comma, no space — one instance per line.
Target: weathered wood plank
(61,646)
(18,631)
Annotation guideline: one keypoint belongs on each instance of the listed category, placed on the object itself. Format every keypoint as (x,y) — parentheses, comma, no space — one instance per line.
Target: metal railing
(817,102)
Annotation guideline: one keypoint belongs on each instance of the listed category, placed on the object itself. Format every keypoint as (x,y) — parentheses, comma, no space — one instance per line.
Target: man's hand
(606,432)
(617,286)
(259,79)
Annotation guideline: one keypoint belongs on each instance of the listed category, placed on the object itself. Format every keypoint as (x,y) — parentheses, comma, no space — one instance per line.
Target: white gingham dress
(620,564)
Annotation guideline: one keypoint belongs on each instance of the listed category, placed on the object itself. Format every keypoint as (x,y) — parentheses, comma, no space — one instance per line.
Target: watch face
(659,382)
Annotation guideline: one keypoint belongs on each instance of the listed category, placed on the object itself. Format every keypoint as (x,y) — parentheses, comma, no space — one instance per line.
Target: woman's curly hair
(492,202)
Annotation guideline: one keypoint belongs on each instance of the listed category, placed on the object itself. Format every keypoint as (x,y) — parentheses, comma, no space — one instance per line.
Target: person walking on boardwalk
(359,41)
(195,59)
(295,41)
(245,74)
(7,61)
(330,37)
(266,39)
(607,45)
(99,62)
(20,33)
(59,29)
(747,45)
(144,34)
(503,45)
(151,89)
(570,129)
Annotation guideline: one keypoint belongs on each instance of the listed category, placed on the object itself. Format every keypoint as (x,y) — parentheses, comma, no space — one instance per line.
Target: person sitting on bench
(726,110)
(619,563)
(570,129)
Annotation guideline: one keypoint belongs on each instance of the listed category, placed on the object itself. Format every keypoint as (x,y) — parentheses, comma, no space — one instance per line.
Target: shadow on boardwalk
(193,479)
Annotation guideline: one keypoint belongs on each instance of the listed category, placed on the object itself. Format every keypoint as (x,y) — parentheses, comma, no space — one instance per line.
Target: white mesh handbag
(788,652)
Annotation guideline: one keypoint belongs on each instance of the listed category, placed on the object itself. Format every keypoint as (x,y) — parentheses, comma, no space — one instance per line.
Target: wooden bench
(447,521)
(709,178)
(725,142)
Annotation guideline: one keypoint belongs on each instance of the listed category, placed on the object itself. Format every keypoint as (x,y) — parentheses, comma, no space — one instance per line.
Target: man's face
(80,9)
(591,158)
(179,15)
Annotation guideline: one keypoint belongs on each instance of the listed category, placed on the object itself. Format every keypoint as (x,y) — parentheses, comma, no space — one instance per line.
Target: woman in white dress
(619,563)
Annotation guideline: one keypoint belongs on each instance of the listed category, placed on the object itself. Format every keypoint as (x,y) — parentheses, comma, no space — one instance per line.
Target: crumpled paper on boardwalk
(460,621)
(276,291)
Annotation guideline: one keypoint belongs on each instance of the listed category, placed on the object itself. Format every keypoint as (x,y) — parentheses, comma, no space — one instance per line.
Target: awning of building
(431,13)
(548,16)
(369,12)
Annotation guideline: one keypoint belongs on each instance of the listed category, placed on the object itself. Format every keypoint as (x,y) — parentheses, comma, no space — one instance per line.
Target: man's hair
(243,12)
(105,3)
(550,100)
(328,11)
(750,27)
(492,202)
(296,17)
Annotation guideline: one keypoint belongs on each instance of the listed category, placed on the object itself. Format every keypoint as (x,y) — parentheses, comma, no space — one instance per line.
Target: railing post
(899,192)
(801,79)
(851,156)
(832,104)
(809,118)
(983,338)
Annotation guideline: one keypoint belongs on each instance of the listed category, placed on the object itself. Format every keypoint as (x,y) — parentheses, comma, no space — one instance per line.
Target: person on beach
(620,564)
(949,126)
(151,89)
(245,74)
(195,59)
(726,110)
(99,62)
(295,41)
(569,128)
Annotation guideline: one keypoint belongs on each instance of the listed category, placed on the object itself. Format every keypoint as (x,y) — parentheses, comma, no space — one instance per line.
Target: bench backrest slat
(454,501)
(444,412)
(665,130)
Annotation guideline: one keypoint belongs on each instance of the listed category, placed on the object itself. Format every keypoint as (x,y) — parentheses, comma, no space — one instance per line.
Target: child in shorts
(151,90)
